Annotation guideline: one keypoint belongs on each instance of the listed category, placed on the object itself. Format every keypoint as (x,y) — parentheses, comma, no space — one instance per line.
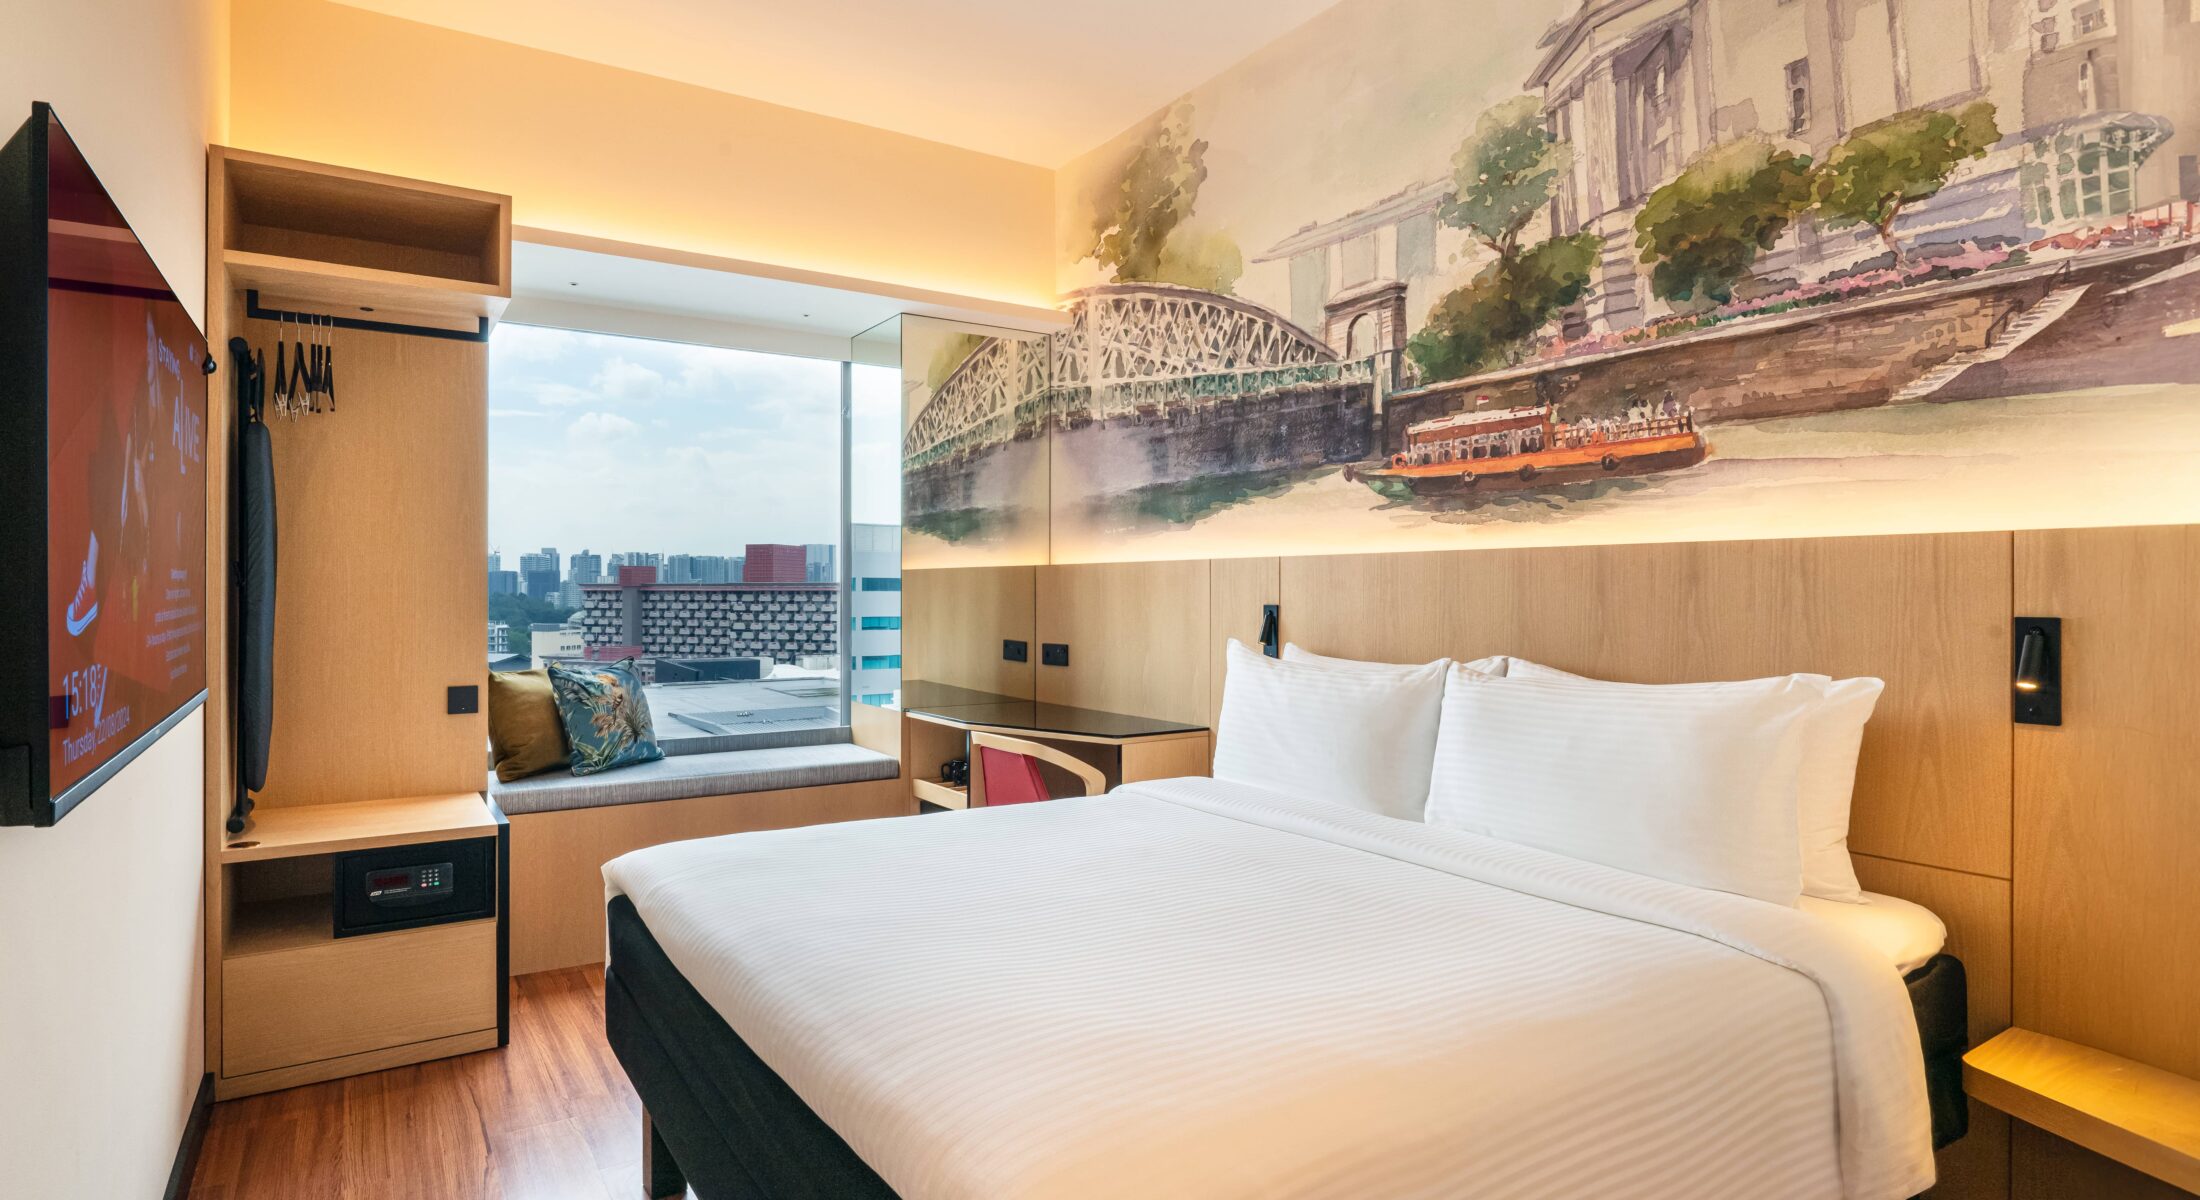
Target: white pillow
(1828,780)
(1362,735)
(1293,652)
(1694,785)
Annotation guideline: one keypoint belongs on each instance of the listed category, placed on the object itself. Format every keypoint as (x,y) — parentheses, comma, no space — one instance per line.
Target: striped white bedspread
(1194,989)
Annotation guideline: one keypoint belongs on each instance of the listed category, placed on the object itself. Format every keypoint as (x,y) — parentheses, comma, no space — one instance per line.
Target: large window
(679,505)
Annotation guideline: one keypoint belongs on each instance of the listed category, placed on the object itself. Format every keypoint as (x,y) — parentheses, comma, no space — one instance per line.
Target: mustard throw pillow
(526,736)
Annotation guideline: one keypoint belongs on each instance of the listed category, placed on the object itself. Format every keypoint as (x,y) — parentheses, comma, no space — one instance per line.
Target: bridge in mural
(1131,350)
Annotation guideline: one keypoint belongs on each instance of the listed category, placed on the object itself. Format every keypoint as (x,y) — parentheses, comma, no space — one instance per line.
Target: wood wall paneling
(1929,614)
(1976,1165)
(1137,633)
(875,728)
(1166,758)
(381,517)
(2108,804)
(1237,588)
(2045,1167)
(557,892)
(1976,910)
(954,620)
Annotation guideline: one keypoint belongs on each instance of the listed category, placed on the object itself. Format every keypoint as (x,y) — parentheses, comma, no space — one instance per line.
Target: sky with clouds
(617,444)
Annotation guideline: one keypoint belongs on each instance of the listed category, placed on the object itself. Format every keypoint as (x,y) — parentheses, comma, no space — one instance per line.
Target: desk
(939,719)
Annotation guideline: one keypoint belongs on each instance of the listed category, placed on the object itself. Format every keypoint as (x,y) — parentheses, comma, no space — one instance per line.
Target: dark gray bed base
(722,1122)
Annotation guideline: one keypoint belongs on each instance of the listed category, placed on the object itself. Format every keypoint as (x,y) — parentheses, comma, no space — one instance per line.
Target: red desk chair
(1005,770)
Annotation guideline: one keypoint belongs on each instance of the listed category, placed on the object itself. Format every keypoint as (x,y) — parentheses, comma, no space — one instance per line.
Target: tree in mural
(1704,229)
(1890,164)
(1486,322)
(1140,208)
(1503,177)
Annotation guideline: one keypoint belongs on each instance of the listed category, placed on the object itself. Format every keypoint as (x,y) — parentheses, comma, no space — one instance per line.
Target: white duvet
(1194,989)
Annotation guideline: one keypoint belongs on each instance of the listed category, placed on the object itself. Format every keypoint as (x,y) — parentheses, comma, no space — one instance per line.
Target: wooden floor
(550,1116)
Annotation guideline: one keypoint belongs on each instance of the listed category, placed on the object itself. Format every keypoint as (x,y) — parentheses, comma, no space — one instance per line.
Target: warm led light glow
(2031,659)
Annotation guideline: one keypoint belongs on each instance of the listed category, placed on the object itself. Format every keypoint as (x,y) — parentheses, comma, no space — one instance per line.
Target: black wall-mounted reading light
(2036,691)
(1271,637)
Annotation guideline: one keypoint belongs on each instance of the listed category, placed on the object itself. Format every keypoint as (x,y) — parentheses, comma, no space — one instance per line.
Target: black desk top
(967,706)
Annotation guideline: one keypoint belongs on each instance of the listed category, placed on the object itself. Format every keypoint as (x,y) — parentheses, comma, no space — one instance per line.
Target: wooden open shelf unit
(330,240)
(2143,1117)
(415,274)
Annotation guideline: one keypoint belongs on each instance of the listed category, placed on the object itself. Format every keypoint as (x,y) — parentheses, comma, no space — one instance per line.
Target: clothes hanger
(301,385)
(282,376)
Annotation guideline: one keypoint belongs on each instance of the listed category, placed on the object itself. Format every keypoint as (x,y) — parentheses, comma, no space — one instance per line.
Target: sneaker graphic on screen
(79,617)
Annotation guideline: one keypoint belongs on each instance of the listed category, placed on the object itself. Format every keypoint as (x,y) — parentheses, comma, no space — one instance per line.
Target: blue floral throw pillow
(606,717)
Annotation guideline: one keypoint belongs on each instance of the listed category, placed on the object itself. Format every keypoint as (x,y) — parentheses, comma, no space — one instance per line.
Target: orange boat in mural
(1514,448)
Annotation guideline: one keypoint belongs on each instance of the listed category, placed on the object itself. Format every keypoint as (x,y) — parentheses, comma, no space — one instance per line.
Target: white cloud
(523,413)
(624,379)
(596,427)
(659,446)
(531,343)
(552,394)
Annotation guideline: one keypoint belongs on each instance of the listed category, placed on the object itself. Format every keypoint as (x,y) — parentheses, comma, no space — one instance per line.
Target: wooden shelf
(2141,1116)
(310,237)
(295,922)
(292,831)
(366,293)
(946,795)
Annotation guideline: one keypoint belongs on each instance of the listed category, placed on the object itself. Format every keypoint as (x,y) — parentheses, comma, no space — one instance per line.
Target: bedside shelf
(2141,1116)
(297,830)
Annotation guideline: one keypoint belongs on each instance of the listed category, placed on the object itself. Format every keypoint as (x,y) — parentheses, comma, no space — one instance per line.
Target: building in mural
(1897,262)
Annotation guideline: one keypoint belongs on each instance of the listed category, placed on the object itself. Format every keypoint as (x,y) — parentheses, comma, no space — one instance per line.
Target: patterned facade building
(785,623)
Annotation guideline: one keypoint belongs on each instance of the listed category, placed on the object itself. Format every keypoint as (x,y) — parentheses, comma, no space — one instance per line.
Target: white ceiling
(565,275)
(613,288)
(1040,81)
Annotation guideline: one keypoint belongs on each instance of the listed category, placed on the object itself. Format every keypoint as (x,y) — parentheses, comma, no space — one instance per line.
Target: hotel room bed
(1194,988)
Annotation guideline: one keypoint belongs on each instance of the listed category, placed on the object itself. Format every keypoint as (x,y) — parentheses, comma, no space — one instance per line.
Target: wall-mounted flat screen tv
(103,485)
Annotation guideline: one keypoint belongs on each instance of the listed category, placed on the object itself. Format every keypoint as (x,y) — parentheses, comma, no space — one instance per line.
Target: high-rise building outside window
(710,479)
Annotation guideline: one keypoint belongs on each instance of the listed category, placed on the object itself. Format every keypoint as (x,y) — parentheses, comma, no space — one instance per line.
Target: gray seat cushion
(682,776)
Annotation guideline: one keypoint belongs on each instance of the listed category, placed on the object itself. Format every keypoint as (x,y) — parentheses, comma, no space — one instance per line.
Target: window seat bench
(565,829)
(685,776)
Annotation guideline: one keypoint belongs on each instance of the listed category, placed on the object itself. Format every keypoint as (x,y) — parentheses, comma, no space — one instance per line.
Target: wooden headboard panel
(1930,615)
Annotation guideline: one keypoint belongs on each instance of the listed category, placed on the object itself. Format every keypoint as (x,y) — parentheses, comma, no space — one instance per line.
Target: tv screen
(124,470)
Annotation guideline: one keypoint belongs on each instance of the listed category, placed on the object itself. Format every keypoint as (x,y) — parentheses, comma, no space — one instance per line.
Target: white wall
(101,1045)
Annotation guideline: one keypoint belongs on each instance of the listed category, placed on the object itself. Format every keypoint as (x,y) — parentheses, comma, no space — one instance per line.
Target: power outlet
(1015,651)
(1054,654)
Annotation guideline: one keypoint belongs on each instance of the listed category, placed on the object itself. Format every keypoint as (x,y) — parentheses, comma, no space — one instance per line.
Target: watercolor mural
(974,467)
(1415,278)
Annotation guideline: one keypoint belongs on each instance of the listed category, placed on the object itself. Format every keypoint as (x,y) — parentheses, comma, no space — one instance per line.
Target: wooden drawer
(337,997)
